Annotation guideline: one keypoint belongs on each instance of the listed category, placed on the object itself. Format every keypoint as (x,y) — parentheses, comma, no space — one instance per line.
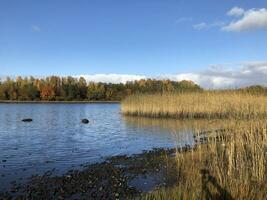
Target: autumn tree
(82,86)
(70,88)
(47,92)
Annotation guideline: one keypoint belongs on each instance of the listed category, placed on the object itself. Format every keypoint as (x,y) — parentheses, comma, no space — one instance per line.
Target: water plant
(234,167)
(208,105)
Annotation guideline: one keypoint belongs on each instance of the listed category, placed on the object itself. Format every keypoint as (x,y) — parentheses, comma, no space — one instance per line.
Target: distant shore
(56,102)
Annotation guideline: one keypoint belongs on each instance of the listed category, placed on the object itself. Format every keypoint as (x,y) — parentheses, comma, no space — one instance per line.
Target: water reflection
(182,131)
(57,139)
(173,125)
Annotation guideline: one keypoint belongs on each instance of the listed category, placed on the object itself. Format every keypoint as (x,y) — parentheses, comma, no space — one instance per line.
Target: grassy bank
(197,105)
(235,168)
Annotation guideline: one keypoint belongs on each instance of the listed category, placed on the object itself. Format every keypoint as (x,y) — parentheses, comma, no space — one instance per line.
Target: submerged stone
(27,120)
(85,121)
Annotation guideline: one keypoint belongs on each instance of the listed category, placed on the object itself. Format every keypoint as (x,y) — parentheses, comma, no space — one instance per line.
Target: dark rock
(4,160)
(85,121)
(27,120)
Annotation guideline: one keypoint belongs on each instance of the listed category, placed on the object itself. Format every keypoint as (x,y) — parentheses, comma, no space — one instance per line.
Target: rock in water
(27,120)
(85,121)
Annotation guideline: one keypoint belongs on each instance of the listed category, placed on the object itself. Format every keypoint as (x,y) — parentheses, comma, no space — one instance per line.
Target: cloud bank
(112,78)
(217,76)
(220,76)
(250,20)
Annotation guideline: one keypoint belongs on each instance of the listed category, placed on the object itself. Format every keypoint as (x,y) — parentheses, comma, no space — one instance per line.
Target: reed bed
(235,168)
(207,105)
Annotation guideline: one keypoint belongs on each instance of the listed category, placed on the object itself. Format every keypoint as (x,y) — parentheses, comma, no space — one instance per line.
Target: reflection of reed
(183,132)
(174,125)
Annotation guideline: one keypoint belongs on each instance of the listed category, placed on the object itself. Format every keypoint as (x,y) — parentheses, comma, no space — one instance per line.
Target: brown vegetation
(235,168)
(209,104)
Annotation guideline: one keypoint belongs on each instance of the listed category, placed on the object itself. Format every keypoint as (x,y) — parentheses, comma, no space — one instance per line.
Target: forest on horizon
(55,88)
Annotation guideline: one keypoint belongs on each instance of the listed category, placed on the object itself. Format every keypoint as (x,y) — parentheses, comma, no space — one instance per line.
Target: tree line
(54,88)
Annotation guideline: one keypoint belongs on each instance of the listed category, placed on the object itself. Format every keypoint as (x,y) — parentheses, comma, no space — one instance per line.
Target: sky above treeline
(217,44)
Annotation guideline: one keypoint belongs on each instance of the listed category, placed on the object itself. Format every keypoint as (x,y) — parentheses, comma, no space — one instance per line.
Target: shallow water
(56,138)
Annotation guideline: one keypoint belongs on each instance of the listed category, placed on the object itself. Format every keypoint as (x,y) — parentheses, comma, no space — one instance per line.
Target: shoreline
(57,102)
(118,177)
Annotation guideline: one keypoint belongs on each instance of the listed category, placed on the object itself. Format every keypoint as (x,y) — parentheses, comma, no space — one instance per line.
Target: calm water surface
(56,139)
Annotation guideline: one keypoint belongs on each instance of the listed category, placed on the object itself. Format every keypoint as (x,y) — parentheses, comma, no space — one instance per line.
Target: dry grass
(235,169)
(197,105)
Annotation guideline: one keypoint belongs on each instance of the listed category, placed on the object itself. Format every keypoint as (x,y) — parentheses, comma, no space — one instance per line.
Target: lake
(57,140)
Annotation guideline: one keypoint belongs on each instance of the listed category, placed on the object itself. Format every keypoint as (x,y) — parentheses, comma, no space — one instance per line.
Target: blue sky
(151,38)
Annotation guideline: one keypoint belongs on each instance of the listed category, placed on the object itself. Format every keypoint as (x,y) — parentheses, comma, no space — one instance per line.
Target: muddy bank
(119,177)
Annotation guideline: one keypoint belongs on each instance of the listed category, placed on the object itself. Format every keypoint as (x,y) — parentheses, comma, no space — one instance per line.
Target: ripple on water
(56,138)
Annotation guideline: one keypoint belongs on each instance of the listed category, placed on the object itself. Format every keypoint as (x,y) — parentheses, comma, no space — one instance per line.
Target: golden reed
(234,168)
(197,105)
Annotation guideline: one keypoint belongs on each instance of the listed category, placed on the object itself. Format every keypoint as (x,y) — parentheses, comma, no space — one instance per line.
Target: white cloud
(236,11)
(251,20)
(216,76)
(220,76)
(36,28)
(246,20)
(205,80)
(112,78)
(200,26)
